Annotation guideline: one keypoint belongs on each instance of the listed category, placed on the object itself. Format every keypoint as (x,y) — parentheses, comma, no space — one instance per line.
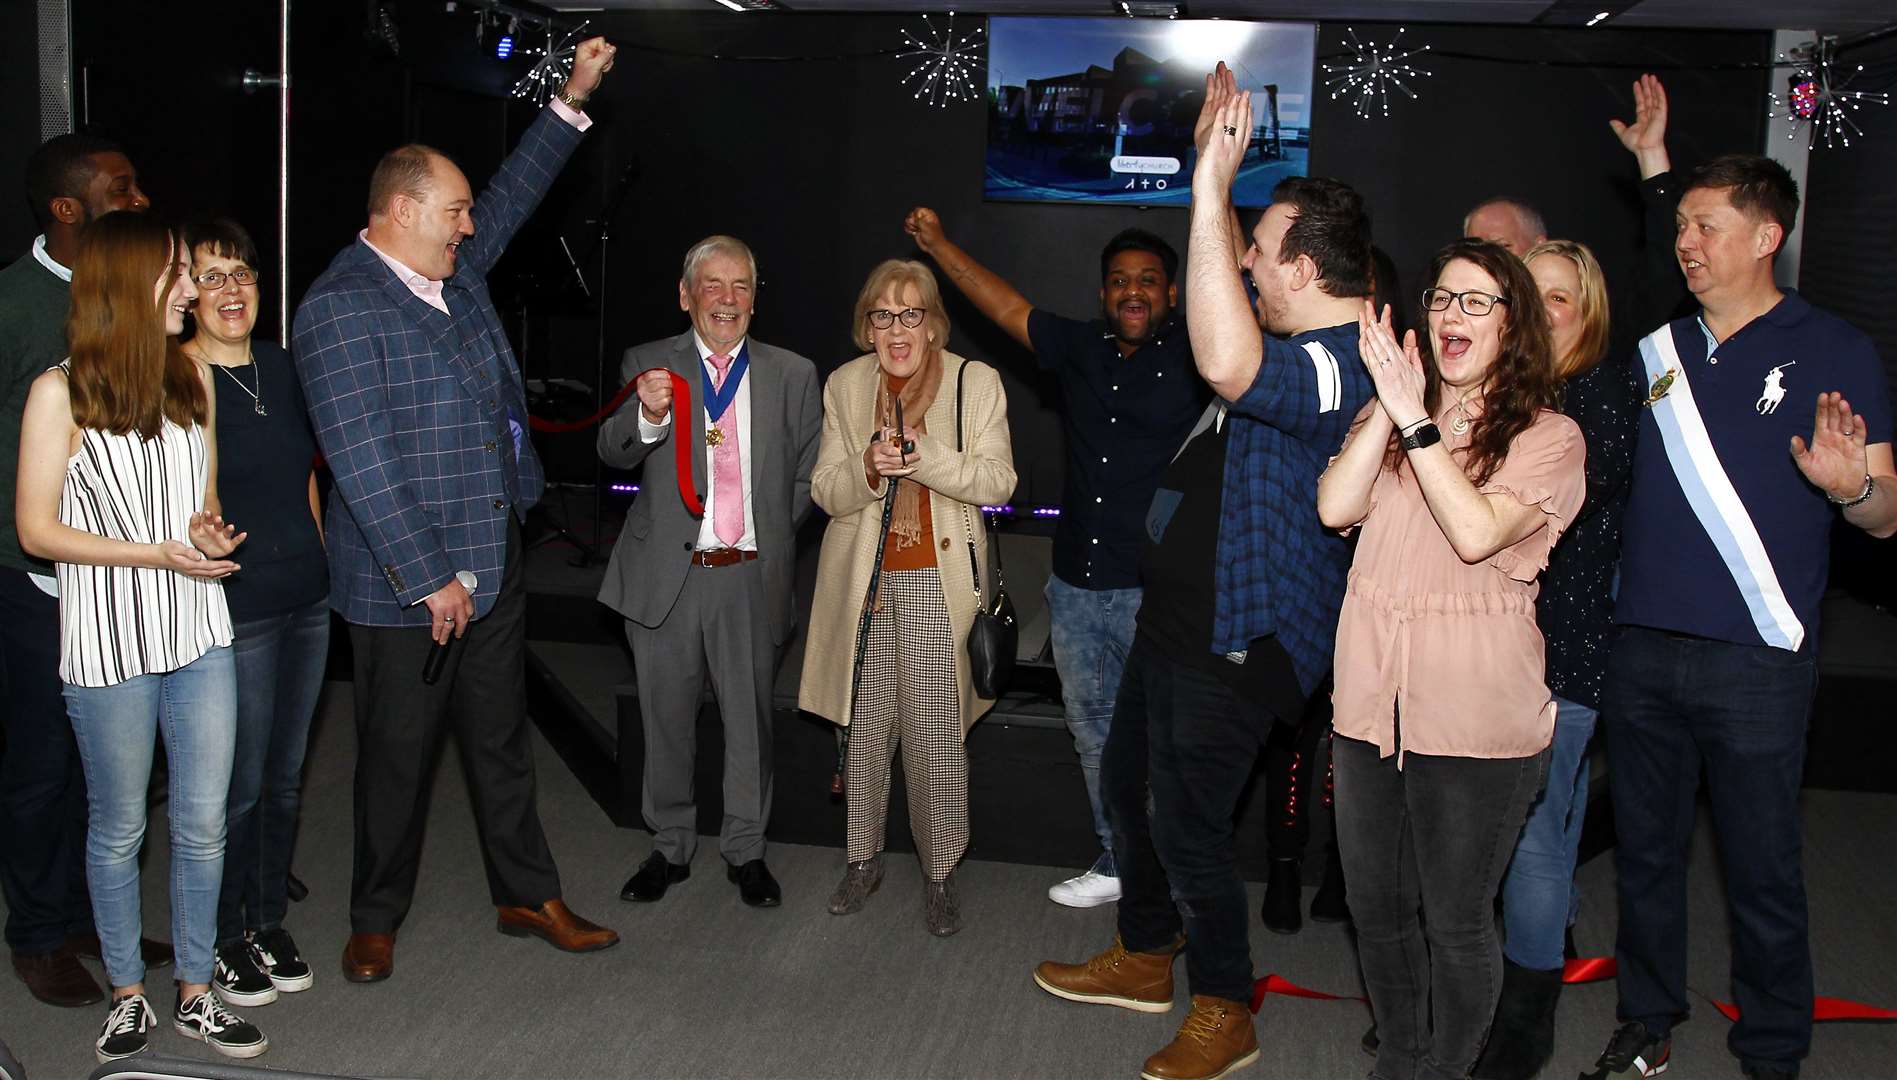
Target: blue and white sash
(1715,502)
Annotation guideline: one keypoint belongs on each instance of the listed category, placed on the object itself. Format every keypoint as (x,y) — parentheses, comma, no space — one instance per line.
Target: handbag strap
(988,521)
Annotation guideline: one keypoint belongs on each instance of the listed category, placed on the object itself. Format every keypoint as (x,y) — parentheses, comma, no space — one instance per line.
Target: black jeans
(1434,836)
(42,787)
(1183,734)
(1672,704)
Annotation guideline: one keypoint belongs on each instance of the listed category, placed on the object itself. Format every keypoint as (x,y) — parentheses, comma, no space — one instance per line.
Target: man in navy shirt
(1243,587)
(1726,546)
(1129,395)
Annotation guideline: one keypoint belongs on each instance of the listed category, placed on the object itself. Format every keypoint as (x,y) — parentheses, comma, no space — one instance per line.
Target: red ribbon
(681,448)
(1587,969)
(1272,984)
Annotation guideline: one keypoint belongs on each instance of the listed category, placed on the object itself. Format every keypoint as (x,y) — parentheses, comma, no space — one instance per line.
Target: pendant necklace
(1460,425)
(256,396)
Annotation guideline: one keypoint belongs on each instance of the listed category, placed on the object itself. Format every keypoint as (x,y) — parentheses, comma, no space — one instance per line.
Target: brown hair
(126,372)
(1591,346)
(890,276)
(406,170)
(1521,382)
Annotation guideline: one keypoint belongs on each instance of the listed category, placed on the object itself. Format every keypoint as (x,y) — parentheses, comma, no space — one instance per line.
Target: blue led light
(504,47)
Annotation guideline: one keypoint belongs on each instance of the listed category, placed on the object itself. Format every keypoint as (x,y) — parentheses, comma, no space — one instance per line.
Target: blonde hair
(889,277)
(1591,346)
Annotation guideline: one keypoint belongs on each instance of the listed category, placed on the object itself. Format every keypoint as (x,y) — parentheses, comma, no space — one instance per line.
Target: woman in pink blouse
(1461,476)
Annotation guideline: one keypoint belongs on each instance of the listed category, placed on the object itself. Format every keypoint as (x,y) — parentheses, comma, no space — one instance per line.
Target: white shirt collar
(39,252)
(704,350)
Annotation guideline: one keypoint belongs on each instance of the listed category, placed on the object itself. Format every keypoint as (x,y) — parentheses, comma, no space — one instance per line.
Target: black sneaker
(238,977)
(204,1017)
(275,952)
(125,1026)
(1632,1052)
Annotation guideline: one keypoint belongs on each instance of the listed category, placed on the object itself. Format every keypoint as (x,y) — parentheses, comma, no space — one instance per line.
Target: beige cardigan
(958,484)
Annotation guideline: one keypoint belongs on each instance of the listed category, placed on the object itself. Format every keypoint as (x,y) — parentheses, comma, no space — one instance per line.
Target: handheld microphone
(438,651)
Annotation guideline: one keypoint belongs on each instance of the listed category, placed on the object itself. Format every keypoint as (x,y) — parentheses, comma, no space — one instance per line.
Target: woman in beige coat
(915,688)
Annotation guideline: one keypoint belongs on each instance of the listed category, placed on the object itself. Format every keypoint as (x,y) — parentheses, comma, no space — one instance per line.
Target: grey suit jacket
(654,551)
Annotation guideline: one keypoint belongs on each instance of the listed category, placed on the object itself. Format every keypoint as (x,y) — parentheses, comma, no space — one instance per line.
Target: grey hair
(718,245)
(1531,217)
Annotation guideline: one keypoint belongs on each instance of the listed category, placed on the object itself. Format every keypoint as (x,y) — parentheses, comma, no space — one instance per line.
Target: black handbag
(993,638)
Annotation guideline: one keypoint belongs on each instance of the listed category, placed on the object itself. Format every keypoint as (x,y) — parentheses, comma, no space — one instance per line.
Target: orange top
(1449,647)
(921,555)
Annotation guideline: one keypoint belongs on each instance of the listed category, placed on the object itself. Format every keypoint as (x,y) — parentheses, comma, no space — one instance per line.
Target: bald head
(420,209)
(1511,223)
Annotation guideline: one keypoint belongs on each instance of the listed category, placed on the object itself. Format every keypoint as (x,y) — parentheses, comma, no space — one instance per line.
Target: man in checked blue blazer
(418,405)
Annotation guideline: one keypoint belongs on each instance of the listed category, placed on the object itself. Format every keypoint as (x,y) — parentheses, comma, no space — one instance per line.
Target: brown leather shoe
(555,925)
(1216,1039)
(369,957)
(57,979)
(1138,981)
(155,954)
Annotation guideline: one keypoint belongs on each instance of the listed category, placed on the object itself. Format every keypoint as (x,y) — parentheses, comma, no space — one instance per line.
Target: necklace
(256,396)
(1460,425)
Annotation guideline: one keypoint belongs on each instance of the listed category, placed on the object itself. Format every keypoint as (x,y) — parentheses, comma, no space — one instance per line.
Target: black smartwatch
(1425,434)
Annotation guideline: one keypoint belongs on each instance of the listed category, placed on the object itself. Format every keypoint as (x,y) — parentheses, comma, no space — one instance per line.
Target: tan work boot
(1138,981)
(1216,1038)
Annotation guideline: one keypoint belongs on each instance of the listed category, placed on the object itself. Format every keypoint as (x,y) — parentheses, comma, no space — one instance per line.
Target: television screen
(1101,110)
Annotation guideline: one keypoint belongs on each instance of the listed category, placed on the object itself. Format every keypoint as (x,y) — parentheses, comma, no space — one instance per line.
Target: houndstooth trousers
(908,696)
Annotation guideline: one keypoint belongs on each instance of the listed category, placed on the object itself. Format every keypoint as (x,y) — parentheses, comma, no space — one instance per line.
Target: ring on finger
(1231,130)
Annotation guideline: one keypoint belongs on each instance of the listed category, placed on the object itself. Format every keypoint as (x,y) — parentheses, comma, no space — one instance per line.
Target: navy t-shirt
(1124,418)
(263,481)
(1723,537)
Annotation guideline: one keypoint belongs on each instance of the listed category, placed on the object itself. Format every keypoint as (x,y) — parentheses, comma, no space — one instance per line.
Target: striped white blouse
(118,622)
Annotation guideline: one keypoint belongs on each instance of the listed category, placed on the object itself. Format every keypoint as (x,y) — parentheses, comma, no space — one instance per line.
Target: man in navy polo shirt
(1726,547)
(1129,394)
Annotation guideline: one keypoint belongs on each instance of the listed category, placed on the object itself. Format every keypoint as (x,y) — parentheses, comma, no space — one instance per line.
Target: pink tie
(727,473)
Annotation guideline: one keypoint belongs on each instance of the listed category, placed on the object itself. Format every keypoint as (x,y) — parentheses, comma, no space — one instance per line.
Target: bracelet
(1405,429)
(1870,488)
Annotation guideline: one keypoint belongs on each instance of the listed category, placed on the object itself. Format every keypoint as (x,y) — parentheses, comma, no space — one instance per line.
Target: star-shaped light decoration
(555,65)
(946,67)
(1374,70)
(1817,101)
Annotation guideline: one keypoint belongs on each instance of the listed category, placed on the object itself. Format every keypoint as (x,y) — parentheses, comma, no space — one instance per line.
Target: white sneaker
(1090,889)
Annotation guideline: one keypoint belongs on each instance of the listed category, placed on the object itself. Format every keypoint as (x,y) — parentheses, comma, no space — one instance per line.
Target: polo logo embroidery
(1774,390)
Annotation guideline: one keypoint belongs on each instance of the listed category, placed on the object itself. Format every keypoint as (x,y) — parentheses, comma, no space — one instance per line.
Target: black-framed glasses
(1473,304)
(883,318)
(243,275)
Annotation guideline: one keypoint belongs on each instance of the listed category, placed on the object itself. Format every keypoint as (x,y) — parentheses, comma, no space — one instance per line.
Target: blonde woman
(1574,610)
(897,489)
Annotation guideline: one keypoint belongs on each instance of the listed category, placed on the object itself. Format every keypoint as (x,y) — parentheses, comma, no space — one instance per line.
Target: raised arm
(510,198)
(1226,342)
(1838,461)
(987,290)
(1658,287)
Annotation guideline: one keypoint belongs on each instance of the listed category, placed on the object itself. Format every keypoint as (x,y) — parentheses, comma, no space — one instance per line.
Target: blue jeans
(1672,704)
(195,707)
(1539,896)
(280,661)
(1092,631)
(1185,743)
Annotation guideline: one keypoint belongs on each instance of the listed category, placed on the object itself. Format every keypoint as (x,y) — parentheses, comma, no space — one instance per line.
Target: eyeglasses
(882,318)
(215,279)
(1473,304)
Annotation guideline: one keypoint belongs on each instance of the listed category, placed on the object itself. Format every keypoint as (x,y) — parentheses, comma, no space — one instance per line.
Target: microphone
(438,651)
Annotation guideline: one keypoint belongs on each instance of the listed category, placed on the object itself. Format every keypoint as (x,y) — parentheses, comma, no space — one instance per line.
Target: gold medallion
(1659,388)
(714,436)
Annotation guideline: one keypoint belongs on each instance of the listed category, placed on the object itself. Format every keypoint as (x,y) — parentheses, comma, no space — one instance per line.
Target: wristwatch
(570,99)
(1870,488)
(1426,434)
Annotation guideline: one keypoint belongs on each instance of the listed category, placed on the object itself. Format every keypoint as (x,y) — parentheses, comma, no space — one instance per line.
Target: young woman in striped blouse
(117,486)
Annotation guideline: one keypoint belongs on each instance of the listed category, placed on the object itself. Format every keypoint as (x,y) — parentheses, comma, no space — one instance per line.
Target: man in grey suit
(711,595)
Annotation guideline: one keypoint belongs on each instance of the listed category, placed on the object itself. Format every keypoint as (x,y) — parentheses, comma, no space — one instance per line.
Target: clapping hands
(1396,370)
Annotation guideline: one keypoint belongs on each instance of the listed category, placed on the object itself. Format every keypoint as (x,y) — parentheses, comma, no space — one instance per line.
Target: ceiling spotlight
(1599,18)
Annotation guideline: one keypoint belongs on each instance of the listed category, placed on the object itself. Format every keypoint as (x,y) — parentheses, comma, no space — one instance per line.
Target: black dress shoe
(756,886)
(652,878)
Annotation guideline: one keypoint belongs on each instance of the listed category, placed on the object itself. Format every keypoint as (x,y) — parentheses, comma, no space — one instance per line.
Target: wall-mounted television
(1101,110)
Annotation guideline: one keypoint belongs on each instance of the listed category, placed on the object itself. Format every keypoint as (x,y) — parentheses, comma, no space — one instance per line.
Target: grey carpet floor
(705,987)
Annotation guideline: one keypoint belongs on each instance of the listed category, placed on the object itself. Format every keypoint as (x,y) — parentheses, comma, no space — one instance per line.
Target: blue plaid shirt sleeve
(510,198)
(343,382)
(1306,390)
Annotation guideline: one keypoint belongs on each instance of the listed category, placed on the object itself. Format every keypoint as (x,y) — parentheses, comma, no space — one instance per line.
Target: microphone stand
(608,211)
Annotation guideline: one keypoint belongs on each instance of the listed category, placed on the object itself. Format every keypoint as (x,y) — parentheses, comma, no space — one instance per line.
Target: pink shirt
(1452,648)
(427,289)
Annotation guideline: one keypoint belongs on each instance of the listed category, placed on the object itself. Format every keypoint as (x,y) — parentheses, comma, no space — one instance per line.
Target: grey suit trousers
(719,627)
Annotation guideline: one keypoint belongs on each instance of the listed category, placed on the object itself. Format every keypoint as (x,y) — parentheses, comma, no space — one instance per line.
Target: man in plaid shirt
(1243,587)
